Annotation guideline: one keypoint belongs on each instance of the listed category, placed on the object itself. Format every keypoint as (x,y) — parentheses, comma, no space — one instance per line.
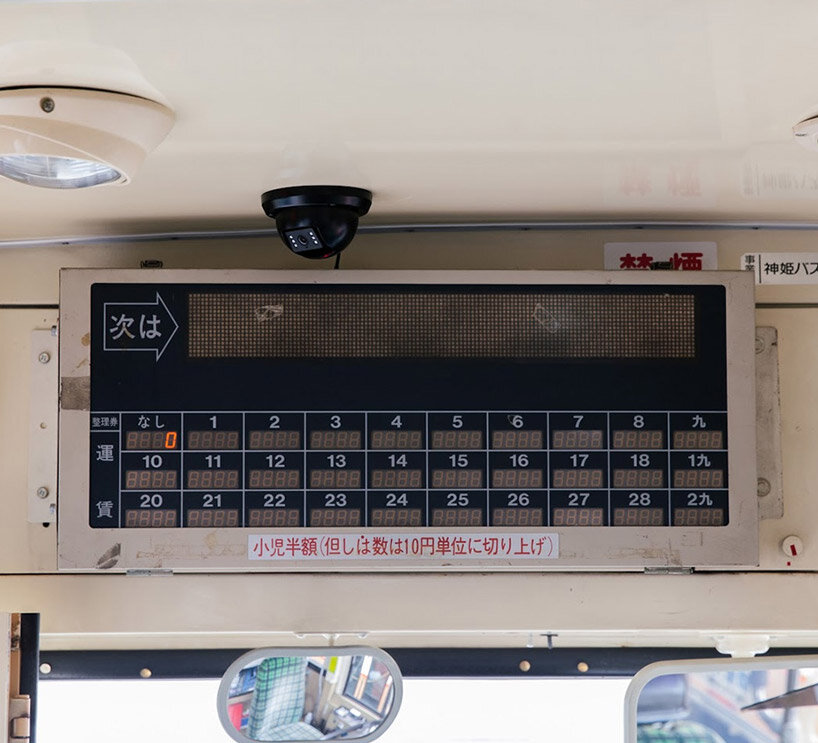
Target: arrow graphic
(138,326)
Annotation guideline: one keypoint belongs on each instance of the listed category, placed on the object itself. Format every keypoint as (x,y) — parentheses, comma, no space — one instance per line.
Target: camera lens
(302,240)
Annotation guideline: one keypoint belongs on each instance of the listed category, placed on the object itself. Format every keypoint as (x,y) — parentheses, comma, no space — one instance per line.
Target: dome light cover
(76,137)
(57,172)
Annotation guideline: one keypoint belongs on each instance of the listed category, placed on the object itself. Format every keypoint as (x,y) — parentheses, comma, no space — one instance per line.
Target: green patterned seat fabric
(278,701)
(681,731)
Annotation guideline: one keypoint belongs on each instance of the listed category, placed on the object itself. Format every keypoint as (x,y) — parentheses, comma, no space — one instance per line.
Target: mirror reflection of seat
(758,700)
(679,731)
(291,695)
(662,711)
(278,702)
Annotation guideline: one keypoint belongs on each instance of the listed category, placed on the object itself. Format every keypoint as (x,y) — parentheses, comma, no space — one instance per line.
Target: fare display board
(356,420)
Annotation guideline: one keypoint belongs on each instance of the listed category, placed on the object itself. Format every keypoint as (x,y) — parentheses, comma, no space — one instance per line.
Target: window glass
(522,710)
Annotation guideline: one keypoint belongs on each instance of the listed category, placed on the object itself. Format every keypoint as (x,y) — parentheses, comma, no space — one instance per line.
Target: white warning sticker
(404,546)
(782,268)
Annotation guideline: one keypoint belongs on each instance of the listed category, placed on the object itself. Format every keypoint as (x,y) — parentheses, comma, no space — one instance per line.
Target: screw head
(44,357)
(42,492)
(47,104)
(764,487)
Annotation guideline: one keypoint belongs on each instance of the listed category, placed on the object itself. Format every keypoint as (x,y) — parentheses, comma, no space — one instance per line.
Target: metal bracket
(20,726)
(768,426)
(743,644)
(42,427)
(144,573)
(19,705)
(668,570)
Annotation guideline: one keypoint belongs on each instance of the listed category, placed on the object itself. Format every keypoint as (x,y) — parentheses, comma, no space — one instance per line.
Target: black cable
(337,261)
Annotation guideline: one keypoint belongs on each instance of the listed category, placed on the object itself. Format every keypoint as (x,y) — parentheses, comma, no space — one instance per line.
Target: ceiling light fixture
(68,134)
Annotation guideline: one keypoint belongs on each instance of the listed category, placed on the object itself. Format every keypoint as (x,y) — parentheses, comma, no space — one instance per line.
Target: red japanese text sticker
(672,256)
(414,546)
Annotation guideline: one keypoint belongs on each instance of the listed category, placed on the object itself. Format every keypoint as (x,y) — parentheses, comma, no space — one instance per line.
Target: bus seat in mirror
(303,694)
(757,700)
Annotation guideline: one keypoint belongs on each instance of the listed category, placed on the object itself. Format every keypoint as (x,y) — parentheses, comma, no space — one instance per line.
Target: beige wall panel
(457,610)
(798,361)
(24,547)
(30,274)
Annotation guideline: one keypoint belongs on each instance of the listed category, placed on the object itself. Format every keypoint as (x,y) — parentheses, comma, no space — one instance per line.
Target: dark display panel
(384,420)
(455,322)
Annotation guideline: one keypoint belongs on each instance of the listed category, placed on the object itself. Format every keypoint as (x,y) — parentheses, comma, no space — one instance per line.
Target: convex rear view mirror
(302,694)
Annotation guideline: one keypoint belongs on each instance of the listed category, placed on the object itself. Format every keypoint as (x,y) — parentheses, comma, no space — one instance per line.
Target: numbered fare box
(274,431)
(578,431)
(397,470)
(150,471)
(698,431)
(638,431)
(643,470)
(457,431)
(151,510)
(396,431)
(698,508)
(151,432)
(515,470)
(396,508)
(458,508)
(518,508)
(698,470)
(578,470)
(335,431)
(213,471)
(216,510)
(517,431)
(213,432)
(276,470)
(639,508)
(335,470)
(579,508)
(274,509)
(336,509)
(457,470)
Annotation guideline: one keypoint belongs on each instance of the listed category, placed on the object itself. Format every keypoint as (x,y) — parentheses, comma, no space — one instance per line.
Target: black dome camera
(316,221)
